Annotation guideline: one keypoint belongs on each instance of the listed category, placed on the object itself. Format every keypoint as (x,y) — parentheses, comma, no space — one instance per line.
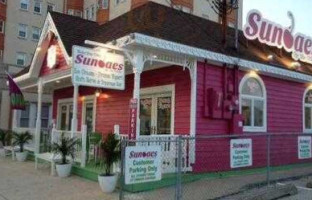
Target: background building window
(1,26)
(21,59)
(24,4)
(104,4)
(308,111)
(37,7)
(24,118)
(253,103)
(22,30)
(50,7)
(35,33)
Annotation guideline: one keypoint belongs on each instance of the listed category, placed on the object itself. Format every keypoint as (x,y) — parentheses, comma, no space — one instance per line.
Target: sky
(276,10)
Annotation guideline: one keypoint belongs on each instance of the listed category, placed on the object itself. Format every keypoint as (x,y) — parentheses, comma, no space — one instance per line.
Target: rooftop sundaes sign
(276,35)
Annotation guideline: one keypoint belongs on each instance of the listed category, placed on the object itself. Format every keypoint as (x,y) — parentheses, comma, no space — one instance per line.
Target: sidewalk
(20,181)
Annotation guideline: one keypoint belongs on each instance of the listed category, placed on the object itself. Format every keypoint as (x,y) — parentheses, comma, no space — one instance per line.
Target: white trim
(258,78)
(304,105)
(89,99)
(158,90)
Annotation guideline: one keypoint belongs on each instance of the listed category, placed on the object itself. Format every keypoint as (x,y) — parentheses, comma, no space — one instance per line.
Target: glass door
(89,116)
(65,117)
(156,114)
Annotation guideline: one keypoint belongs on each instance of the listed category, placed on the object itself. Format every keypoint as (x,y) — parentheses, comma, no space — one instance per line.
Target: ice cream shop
(157,81)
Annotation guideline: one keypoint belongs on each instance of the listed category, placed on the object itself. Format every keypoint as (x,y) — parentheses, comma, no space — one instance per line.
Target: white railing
(80,155)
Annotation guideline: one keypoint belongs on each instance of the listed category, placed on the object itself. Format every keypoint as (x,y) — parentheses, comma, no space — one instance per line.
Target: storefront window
(253,103)
(308,111)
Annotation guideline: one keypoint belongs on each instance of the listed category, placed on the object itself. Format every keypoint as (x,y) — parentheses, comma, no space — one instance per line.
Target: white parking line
(303,188)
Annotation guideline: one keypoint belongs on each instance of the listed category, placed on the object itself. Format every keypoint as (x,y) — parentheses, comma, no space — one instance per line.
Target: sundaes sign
(276,35)
(95,68)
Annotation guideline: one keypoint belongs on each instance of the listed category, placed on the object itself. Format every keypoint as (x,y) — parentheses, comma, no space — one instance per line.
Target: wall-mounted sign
(95,68)
(133,107)
(276,35)
(52,56)
(241,153)
(304,147)
(143,164)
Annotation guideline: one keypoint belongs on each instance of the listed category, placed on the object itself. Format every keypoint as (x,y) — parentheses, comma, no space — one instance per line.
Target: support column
(138,65)
(193,74)
(38,121)
(75,109)
(14,120)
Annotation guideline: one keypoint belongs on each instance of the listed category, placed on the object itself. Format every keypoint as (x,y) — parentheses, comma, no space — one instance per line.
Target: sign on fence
(95,68)
(241,153)
(133,107)
(143,164)
(304,147)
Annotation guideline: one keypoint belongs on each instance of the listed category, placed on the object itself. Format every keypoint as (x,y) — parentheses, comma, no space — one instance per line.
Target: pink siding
(113,106)
(284,114)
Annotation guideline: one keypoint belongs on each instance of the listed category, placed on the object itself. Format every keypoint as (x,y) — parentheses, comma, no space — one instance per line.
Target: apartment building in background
(21,22)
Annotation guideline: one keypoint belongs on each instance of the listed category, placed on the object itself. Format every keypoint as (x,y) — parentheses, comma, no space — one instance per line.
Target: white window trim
(89,99)
(27,5)
(161,89)
(26,31)
(32,33)
(304,105)
(264,98)
(25,57)
(40,6)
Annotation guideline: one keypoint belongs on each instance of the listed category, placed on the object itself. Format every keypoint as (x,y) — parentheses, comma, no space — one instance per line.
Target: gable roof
(169,24)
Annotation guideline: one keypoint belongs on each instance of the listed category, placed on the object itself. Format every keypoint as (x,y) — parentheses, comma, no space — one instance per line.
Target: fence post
(84,145)
(122,171)
(179,169)
(268,158)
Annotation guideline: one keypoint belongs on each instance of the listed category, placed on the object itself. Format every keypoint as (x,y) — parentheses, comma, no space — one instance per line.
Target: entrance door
(88,118)
(156,114)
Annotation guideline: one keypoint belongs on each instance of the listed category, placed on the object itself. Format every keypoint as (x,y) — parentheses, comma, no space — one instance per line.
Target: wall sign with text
(304,147)
(241,153)
(95,68)
(143,164)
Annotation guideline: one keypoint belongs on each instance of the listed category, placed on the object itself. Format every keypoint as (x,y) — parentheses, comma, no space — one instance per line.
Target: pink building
(186,81)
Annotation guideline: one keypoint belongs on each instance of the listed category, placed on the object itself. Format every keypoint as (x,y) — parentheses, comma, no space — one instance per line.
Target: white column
(14,120)
(193,73)
(38,121)
(138,65)
(75,110)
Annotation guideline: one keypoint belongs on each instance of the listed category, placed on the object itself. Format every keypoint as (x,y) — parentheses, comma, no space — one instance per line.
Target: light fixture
(253,73)
(295,64)
(58,81)
(38,49)
(155,56)
(270,57)
(98,93)
(82,98)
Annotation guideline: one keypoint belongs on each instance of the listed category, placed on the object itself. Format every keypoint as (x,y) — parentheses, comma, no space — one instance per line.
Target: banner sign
(143,164)
(241,153)
(16,95)
(133,118)
(276,35)
(304,147)
(95,68)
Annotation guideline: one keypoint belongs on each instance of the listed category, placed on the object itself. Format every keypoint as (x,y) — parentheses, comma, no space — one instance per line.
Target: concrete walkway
(20,181)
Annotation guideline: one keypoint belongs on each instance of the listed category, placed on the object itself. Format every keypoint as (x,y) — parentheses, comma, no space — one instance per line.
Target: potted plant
(3,135)
(20,139)
(65,147)
(111,153)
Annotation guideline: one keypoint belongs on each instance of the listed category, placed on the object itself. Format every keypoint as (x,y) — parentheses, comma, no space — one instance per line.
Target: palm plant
(3,135)
(66,147)
(111,152)
(20,139)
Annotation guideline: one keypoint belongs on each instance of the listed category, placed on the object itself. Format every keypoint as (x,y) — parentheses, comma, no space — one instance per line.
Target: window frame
(27,107)
(32,33)
(19,30)
(3,26)
(20,53)
(253,128)
(40,7)
(25,9)
(304,106)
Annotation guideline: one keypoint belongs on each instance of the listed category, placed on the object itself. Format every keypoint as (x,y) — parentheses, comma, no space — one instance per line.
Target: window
(24,4)
(65,116)
(35,33)
(37,7)
(21,59)
(22,31)
(44,115)
(308,110)
(50,7)
(104,4)
(24,118)
(1,26)
(70,12)
(92,12)
(253,103)
(119,1)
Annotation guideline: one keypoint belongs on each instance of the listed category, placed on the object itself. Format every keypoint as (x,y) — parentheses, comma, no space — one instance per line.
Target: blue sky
(276,10)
